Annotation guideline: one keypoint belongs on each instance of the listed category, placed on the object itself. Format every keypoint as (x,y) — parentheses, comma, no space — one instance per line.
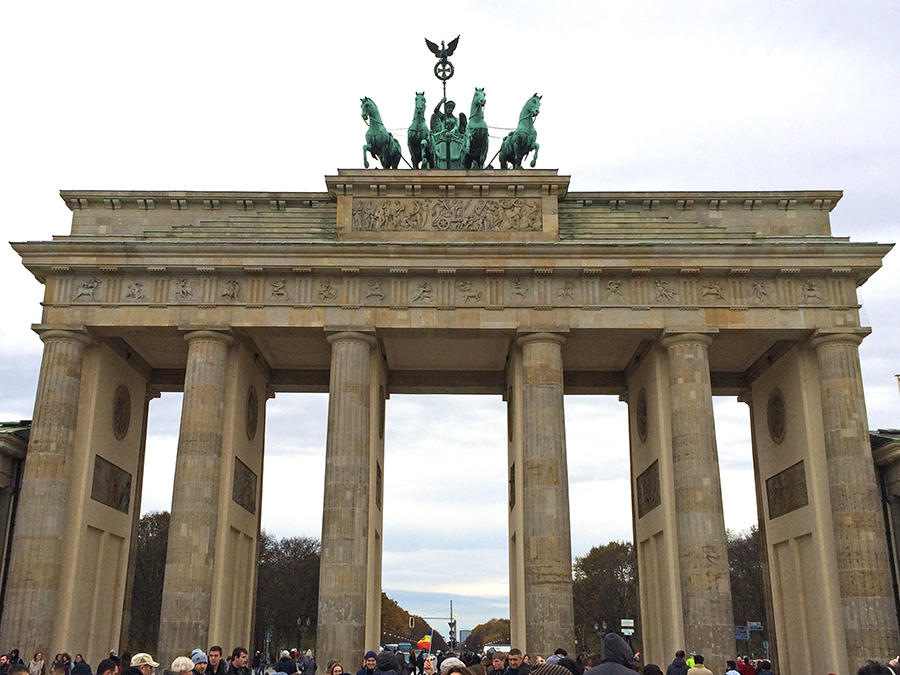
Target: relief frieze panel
(448,215)
(452,288)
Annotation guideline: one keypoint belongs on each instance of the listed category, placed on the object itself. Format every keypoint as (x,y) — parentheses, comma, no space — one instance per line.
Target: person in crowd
(334,668)
(200,661)
(286,664)
(36,665)
(618,658)
(698,668)
(108,667)
(182,665)
(678,666)
(731,668)
(873,668)
(141,664)
(238,665)
(18,669)
(4,664)
(308,664)
(217,664)
(14,658)
(498,663)
(517,665)
(386,663)
(765,667)
(80,667)
(369,662)
(652,669)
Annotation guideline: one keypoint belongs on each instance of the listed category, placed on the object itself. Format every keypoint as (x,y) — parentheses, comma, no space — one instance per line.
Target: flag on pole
(425,642)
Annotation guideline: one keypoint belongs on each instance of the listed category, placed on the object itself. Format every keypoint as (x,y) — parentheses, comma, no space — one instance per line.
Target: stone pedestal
(700,526)
(545,497)
(37,558)
(191,557)
(343,588)
(867,601)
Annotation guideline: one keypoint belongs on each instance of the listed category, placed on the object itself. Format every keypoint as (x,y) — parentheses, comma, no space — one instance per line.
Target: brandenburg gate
(498,282)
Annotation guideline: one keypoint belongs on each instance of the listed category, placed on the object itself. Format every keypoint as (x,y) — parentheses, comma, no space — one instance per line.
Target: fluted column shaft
(341,630)
(37,557)
(862,559)
(549,615)
(699,520)
(191,556)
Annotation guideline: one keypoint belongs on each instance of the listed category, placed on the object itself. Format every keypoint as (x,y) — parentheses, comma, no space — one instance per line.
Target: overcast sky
(636,96)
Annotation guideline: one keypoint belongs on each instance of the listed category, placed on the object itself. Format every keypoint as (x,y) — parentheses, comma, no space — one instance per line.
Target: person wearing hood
(679,666)
(369,662)
(618,658)
(386,663)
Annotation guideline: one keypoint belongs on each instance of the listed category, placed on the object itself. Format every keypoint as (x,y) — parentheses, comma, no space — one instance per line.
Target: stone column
(191,556)
(864,574)
(341,631)
(699,521)
(37,554)
(549,615)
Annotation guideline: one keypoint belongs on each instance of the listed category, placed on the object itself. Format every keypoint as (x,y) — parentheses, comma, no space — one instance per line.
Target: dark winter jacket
(618,658)
(285,665)
(363,671)
(677,667)
(386,663)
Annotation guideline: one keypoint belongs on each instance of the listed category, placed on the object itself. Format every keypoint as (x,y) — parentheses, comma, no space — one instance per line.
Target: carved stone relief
(121,412)
(641,415)
(252,412)
(88,290)
(649,495)
(776,415)
(786,491)
(135,291)
(664,290)
(379,215)
(231,290)
(111,485)
(759,291)
(243,491)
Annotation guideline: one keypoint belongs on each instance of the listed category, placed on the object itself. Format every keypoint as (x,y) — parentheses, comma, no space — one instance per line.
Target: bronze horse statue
(517,144)
(475,148)
(418,140)
(380,143)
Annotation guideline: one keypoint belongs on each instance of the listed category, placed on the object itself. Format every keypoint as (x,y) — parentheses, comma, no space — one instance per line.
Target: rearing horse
(379,141)
(475,148)
(418,139)
(523,140)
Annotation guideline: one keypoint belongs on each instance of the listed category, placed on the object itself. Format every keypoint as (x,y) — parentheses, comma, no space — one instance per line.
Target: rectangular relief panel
(243,490)
(111,485)
(648,490)
(786,491)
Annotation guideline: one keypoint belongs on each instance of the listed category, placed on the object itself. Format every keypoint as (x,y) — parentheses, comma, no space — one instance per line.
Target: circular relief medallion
(642,416)
(775,413)
(252,412)
(121,412)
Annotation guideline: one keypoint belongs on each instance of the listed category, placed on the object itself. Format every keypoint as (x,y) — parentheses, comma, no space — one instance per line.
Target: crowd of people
(616,658)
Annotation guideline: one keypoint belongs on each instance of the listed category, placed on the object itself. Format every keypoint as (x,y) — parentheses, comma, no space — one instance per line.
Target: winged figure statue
(442,52)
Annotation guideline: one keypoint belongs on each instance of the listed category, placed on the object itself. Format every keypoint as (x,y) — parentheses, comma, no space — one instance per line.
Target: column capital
(671,338)
(351,335)
(848,336)
(47,334)
(221,336)
(528,338)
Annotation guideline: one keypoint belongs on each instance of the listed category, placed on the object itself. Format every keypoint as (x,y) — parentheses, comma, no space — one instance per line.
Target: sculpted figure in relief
(232,289)
(88,289)
(759,291)
(811,290)
(565,293)
(663,292)
(613,290)
(135,291)
(465,288)
(376,215)
(713,290)
(374,290)
(327,291)
(183,290)
(519,289)
(278,288)
(423,292)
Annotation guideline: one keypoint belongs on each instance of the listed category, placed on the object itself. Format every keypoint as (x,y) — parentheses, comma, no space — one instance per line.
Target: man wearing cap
(200,660)
(368,664)
(141,664)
